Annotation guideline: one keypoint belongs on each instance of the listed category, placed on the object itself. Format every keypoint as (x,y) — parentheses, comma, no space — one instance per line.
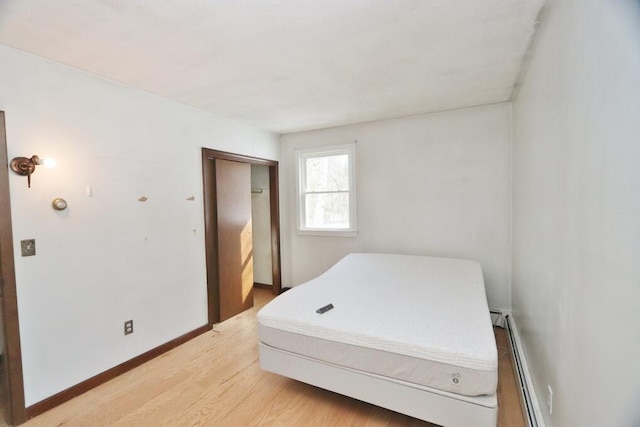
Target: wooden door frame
(210,223)
(14,406)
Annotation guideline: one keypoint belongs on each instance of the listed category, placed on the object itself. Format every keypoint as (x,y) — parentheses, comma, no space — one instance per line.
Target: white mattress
(418,319)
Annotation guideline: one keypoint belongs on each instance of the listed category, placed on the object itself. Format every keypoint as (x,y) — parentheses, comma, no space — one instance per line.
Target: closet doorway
(229,231)
(261,225)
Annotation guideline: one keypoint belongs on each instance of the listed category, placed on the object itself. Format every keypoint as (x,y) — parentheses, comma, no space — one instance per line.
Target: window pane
(327,173)
(327,210)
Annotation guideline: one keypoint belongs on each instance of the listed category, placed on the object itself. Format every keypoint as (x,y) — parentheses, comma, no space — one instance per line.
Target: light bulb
(49,162)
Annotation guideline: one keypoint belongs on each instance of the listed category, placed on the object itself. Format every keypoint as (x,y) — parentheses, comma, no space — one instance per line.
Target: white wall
(576,222)
(437,184)
(261,225)
(107,258)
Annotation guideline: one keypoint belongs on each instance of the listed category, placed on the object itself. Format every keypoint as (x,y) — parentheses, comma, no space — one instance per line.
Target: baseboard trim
(84,386)
(262,285)
(533,413)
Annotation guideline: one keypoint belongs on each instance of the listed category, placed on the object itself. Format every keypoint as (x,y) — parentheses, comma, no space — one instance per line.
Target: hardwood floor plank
(509,400)
(215,379)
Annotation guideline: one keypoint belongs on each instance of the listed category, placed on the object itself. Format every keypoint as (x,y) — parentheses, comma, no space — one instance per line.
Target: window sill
(328,233)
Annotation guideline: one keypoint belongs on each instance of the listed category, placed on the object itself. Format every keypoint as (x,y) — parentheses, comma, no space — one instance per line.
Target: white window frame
(301,157)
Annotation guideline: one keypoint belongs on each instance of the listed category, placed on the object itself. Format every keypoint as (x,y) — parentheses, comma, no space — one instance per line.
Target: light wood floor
(215,380)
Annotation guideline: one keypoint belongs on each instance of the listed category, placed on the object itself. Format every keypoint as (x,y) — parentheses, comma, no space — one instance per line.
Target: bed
(408,333)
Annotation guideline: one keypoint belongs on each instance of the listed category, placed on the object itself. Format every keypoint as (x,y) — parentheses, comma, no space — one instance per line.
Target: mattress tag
(324,309)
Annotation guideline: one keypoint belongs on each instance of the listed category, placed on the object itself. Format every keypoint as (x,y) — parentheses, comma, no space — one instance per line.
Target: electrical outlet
(550,399)
(128,327)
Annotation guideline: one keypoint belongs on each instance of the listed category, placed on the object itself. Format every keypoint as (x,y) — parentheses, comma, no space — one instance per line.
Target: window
(326,190)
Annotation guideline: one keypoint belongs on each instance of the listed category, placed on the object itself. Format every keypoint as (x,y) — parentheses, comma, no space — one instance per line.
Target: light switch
(28,247)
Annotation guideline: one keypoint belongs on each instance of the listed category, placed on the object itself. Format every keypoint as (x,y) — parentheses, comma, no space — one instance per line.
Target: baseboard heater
(505,321)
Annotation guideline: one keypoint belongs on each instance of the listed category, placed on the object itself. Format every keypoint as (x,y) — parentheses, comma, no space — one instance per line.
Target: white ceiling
(288,65)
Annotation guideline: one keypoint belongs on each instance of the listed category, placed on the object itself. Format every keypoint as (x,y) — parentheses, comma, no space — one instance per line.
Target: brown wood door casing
(209,157)
(14,402)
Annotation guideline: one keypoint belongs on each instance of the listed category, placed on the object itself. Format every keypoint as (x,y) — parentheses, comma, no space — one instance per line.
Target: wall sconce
(26,166)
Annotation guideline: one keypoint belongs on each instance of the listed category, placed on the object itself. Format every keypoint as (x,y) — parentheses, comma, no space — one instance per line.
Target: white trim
(327,233)
(350,151)
(532,398)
